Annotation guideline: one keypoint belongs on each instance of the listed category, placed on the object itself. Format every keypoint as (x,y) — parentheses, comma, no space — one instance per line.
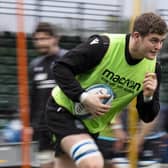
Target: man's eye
(40,39)
(155,41)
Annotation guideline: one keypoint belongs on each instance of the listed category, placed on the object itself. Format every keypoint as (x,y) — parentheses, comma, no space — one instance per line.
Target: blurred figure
(147,143)
(164,106)
(112,142)
(46,42)
(164,126)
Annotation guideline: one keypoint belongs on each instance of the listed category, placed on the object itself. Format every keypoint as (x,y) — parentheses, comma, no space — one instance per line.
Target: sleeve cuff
(83,97)
(147,99)
(116,126)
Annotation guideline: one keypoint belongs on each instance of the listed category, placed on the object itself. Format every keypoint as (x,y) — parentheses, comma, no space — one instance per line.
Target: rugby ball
(97,89)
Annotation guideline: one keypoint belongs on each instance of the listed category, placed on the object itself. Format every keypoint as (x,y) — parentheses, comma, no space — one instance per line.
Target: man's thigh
(64,161)
(80,150)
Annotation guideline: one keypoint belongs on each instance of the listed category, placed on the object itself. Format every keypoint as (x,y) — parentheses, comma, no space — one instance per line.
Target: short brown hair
(150,23)
(46,28)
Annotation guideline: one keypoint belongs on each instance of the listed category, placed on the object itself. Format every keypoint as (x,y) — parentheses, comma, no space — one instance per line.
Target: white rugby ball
(98,89)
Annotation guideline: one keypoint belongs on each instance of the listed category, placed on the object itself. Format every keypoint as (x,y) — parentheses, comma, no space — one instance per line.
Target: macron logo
(95,41)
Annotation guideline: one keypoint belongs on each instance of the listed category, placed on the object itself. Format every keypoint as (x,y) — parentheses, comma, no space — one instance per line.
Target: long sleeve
(148,110)
(78,60)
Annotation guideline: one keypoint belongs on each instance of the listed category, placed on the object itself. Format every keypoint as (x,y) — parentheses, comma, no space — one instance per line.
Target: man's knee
(92,162)
(64,161)
(45,158)
(86,154)
(47,165)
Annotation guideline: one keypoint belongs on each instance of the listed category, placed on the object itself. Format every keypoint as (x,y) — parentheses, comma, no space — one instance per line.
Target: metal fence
(72,17)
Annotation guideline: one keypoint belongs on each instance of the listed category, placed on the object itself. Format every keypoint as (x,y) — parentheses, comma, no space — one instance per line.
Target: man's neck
(54,50)
(134,50)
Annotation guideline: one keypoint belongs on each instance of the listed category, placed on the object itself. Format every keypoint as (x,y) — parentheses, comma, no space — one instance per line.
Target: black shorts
(43,136)
(62,123)
(44,139)
(106,148)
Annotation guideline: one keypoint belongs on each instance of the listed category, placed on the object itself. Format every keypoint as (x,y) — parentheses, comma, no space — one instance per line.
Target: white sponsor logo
(95,41)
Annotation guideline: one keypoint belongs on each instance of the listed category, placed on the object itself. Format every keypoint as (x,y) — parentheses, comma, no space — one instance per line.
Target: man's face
(150,45)
(43,42)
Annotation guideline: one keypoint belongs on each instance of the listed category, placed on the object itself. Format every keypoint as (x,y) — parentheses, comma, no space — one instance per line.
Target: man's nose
(158,46)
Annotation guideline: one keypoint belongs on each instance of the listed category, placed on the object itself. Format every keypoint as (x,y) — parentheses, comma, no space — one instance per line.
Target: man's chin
(42,52)
(151,56)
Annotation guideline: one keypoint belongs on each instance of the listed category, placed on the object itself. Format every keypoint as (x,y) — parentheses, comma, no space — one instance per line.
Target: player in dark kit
(42,81)
(125,62)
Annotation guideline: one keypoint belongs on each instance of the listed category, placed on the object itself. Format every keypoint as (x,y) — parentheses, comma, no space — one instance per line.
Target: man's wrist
(83,97)
(147,98)
(116,126)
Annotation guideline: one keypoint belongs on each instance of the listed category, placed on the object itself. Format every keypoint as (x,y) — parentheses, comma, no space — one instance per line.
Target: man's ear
(135,35)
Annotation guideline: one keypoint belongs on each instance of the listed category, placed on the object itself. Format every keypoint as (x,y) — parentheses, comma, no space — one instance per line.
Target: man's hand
(149,84)
(92,103)
(137,143)
(122,138)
